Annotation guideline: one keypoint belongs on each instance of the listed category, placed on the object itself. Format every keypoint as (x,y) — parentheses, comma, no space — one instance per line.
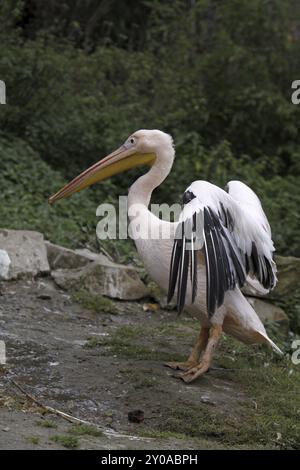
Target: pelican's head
(153,141)
(143,147)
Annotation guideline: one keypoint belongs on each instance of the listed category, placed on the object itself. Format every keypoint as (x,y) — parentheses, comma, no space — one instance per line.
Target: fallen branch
(72,419)
(105,252)
(50,409)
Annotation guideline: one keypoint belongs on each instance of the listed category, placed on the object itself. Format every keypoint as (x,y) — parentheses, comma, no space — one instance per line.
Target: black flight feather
(223,263)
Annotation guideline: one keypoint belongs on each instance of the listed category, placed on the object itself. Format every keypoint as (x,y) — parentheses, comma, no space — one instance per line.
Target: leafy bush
(82,76)
(26,183)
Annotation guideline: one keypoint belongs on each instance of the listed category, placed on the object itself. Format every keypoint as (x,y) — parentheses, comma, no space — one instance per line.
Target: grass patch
(291,306)
(155,434)
(130,332)
(265,412)
(47,423)
(273,384)
(70,442)
(265,418)
(85,429)
(127,339)
(93,342)
(96,303)
(129,342)
(198,421)
(141,378)
(33,440)
(121,348)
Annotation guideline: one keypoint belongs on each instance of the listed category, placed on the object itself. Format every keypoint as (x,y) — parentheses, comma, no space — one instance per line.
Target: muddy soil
(99,367)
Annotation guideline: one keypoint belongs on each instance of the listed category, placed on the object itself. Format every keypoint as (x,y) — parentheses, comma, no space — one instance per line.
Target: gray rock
(91,256)
(268,312)
(103,278)
(288,276)
(4,265)
(60,257)
(75,269)
(26,251)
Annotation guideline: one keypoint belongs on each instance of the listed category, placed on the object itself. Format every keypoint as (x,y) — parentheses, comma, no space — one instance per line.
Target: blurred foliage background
(82,75)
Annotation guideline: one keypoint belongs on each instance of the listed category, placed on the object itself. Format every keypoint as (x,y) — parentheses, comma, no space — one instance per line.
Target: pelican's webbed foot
(181,365)
(193,360)
(201,367)
(194,372)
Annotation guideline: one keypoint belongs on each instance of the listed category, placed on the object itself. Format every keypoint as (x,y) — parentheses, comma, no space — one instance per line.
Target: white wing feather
(250,224)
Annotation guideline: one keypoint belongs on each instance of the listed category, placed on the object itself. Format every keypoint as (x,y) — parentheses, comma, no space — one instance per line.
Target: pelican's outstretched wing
(232,231)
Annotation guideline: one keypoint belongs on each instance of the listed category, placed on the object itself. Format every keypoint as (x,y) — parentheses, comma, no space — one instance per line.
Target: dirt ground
(101,366)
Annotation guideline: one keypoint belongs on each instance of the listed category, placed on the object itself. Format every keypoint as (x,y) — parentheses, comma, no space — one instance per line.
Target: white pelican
(223,241)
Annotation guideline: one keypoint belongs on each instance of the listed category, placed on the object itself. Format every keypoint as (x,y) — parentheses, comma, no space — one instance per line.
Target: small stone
(136,416)
(6,429)
(4,264)
(44,297)
(26,251)
(206,399)
(150,307)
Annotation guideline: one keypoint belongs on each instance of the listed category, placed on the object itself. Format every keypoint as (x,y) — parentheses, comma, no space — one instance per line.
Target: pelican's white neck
(141,190)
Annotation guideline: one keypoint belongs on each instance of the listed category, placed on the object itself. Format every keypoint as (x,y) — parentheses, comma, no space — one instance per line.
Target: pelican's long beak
(116,162)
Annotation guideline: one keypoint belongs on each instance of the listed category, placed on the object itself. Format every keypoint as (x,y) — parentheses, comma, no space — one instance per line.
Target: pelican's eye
(130,142)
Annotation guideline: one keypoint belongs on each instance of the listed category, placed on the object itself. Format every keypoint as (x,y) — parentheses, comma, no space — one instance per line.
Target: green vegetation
(142,378)
(129,342)
(47,423)
(93,342)
(217,76)
(33,440)
(85,429)
(96,303)
(291,305)
(80,77)
(122,348)
(267,419)
(26,182)
(70,442)
(267,392)
(144,342)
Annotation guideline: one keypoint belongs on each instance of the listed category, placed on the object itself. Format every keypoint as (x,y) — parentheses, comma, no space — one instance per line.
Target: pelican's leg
(203,366)
(193,359)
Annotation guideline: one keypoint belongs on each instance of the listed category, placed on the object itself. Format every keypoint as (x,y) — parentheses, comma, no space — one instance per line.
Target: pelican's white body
(236,315)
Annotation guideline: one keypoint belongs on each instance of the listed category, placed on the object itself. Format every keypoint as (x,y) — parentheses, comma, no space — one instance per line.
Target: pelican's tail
(267,340)
(243,322)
